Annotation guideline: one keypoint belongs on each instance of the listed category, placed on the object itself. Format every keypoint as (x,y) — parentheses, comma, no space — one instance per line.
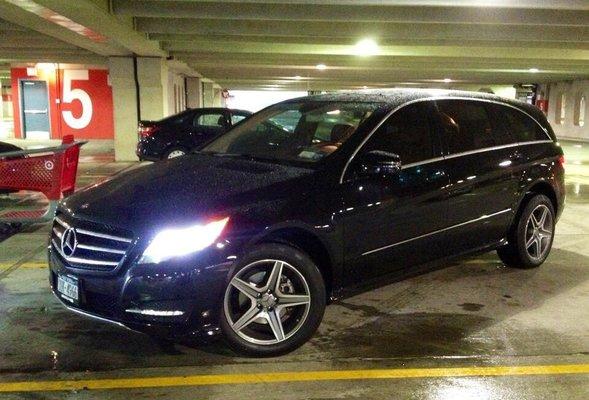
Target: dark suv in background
(305,201)
(178,134)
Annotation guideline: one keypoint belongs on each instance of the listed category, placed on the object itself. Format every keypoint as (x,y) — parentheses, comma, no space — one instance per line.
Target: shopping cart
(51,171)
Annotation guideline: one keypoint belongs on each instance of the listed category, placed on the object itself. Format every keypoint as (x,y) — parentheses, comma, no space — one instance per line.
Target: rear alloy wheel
(274,302)
(174,152)
(531,239)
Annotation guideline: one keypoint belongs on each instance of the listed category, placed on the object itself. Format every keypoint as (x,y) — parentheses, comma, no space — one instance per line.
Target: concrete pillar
(152,74)
(193,92)
(217,98)
(152,81)
(208,94)
(124,107)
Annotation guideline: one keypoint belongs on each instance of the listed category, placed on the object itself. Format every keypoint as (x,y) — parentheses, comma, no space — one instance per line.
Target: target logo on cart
(49,165)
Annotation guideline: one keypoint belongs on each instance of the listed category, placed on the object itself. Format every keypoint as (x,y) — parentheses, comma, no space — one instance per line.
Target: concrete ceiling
(277,44)
(269,43)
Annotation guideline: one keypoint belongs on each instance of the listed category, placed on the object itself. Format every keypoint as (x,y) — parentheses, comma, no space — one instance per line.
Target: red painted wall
(84,110)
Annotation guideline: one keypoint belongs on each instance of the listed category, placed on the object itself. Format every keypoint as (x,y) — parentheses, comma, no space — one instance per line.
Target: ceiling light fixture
(534,70)
(298,77)
(366,47)
(321,67)
(447,80)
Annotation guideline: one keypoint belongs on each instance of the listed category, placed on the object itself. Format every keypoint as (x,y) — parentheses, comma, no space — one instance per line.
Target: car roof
(219,109)
(394,98)
(397,97)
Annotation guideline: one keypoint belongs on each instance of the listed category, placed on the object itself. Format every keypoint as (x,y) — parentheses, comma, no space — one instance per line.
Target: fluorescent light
(171,243)
(321,67)
(298,77)
(366,47)
(534,70)
(447,80)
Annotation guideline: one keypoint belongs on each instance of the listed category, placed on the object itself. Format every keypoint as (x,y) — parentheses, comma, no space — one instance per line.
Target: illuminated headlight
(172,243)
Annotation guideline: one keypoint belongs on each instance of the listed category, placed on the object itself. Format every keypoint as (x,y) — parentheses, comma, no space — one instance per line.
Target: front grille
(91,246)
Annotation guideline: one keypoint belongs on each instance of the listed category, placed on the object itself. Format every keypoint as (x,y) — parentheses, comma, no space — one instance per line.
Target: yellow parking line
(31,264)
(278,377)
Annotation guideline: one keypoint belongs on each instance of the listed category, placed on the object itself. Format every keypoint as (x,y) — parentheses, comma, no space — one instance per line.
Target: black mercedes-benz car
(178,134)
(304,202)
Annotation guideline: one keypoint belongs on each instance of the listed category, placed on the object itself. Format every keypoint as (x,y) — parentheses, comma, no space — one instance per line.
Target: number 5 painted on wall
(69,95)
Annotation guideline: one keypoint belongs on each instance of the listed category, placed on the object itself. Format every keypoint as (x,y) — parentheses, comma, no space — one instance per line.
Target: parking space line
(24,260)
(33,265)
(283,377)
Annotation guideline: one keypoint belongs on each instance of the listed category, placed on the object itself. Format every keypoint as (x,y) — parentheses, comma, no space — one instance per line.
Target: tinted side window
(211,119)
(466,124)
(406,133)
(235,118)
(524,128)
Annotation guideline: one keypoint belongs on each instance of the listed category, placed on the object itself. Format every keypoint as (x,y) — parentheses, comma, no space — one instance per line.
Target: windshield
(298,131)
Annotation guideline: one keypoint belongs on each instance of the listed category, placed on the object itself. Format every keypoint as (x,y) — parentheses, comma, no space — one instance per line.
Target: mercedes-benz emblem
(69,242)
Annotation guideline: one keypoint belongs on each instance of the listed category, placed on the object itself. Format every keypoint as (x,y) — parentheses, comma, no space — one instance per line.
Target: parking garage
(93,76)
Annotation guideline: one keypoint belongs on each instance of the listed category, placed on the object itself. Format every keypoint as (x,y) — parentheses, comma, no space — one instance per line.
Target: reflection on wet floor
(577,192)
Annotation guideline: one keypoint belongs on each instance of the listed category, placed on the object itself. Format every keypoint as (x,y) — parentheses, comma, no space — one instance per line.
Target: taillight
(146,131)
(561,160)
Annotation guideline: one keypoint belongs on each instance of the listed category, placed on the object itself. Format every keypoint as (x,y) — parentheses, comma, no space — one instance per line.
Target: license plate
(67,286)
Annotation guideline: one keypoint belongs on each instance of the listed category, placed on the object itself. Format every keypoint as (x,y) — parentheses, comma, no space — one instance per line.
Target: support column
(152,85)
(124,107)
(208,96)
(152,74)
(218,98)
(193,92)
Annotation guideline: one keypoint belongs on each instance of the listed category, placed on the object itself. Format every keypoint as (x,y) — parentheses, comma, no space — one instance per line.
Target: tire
(530,239)
(255,317)
(174,152)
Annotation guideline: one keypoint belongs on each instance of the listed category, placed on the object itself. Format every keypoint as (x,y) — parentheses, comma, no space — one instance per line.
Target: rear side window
(406,133)
(235,118)
(210,119)
(467,126)
(524,128)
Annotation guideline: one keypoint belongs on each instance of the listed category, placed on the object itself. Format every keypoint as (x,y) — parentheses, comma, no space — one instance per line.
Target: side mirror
(378,162)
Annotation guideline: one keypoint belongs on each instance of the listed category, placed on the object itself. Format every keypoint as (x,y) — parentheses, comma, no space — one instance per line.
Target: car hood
(188,189)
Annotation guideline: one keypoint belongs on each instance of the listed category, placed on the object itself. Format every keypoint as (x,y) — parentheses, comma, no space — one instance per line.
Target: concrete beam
(170,39)
(92,15)
(530,4)
(28,55)
(391,51)
(358,30)
(348,13)
(21,17)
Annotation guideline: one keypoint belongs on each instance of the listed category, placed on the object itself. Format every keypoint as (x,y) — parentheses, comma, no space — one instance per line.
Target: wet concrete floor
(475,313)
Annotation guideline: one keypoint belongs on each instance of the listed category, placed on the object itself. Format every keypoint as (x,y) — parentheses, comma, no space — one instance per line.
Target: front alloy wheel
(274,302)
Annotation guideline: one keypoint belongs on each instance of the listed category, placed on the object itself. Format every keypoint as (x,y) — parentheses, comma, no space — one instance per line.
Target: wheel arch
(538,187)
(310,243)
(541,187)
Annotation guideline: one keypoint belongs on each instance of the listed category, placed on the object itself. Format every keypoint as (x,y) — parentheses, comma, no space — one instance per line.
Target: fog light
(156,313)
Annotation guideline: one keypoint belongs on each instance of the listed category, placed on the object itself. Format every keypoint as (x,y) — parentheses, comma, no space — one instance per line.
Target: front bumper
(170,299)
